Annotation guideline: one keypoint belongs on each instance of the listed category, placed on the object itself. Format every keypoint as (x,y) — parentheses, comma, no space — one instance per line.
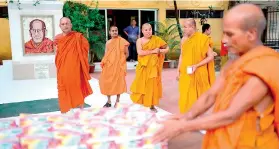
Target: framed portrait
(37,34)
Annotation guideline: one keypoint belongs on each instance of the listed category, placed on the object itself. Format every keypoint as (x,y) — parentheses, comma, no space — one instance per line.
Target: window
(170,13)
(3,12)
(199,13)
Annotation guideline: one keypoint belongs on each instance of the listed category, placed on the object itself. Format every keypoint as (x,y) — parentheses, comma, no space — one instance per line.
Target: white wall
(44,8)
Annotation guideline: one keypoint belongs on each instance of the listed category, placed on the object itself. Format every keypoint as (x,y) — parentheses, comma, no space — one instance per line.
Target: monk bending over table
(147,86)
(245,96)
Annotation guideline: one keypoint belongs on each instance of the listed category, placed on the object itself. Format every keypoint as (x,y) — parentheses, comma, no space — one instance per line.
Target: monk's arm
(127,51)
(209,57)
(142,52)
(206,100)
(244,100)
(180,56)
(164,49)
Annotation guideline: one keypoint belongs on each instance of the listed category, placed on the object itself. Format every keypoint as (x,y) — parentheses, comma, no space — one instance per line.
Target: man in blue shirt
(132,32)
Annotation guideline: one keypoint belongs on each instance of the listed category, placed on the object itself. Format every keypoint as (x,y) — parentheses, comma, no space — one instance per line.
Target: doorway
(122,18)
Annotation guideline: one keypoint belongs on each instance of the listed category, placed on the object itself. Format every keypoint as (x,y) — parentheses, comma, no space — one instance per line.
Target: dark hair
(31,24)
(113,26)
(205,27)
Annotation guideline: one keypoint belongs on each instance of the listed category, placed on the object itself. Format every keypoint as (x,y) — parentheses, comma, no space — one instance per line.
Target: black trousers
(133,55)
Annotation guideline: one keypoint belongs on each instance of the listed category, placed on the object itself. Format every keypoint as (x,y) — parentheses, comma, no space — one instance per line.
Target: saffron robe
(262,62)
(112,79)
(191,86)
(72,70)
(147,86)
(46,46)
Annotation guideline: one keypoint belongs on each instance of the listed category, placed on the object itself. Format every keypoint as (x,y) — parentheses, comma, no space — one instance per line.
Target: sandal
(153,109)
(107,105)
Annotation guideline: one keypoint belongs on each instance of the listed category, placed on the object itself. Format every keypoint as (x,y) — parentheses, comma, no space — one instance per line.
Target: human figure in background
(112,80)
(147,86)
(194,72)
(132,32)
(72,67)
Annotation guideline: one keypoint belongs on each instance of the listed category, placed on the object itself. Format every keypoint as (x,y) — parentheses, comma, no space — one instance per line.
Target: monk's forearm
(205,61)
(204,102)
(179,63)
(144,53)
(166,50)
(212,121)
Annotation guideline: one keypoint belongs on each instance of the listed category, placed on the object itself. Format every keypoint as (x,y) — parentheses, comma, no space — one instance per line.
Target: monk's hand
(194,68)
(156,51)
(169,130)
(215,54)
(177,75)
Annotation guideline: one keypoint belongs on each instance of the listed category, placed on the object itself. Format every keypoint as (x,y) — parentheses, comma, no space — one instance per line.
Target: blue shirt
(133,33)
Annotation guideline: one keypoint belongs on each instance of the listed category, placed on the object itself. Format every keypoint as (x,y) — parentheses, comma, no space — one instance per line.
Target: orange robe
(262,62)
(112,80)
(72,70)
(191,86)
(45,47)
(147,87)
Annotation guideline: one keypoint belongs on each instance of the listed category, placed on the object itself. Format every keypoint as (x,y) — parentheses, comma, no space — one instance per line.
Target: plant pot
(91,68)
(173,55)
(172,64)
(166,64)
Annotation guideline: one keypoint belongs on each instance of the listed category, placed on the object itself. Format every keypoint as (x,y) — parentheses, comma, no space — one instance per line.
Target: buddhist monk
(196,71)
(72,67)
(206,29)
(38,43)
(245,96)
(112,80)
(147,86)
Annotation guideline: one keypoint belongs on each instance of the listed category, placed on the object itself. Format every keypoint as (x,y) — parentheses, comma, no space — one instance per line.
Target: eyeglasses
(36,30)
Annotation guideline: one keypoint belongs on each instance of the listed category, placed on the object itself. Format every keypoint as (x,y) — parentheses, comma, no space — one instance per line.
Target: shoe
(107,105)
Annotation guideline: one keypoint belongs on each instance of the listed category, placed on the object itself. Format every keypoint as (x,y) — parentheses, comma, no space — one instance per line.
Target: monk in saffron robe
(112,80)
(72,67)
(38,42)
(196,54)
(245,96)
(147,86)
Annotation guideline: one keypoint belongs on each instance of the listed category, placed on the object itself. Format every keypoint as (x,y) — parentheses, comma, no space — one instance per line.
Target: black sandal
(107,105)
(153,109)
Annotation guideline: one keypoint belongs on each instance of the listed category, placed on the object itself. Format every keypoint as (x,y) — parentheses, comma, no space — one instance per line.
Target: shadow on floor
(32,107)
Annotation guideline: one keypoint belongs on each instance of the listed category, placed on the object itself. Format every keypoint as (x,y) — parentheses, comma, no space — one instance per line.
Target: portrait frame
(25,34)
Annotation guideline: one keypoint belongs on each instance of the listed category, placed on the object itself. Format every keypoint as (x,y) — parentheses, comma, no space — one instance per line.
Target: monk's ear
(252,34)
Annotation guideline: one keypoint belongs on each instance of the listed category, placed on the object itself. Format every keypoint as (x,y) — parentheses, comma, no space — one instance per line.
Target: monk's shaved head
(189,27)
(65,25)
(243,27)
(191,22)
(65,19)
(251,16)
(146,30)
(146,25)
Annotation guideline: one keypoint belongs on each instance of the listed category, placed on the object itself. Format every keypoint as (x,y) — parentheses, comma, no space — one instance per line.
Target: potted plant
(97,48)
(90,23)
(169,33)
